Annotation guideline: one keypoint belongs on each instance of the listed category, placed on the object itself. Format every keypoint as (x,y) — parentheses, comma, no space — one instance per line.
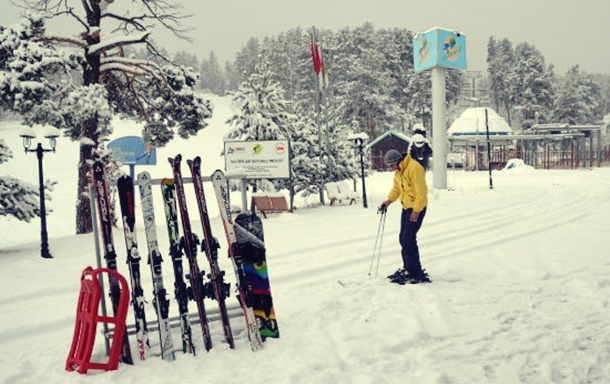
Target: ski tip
(144,176)
(124,182)
(167,181)
(97,166)
(197,164)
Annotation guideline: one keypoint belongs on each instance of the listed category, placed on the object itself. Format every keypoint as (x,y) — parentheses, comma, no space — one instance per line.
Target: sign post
(132,151)
(437,49)
(259,159)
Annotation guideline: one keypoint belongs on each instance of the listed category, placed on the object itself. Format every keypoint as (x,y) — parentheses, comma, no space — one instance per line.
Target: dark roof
(398,135)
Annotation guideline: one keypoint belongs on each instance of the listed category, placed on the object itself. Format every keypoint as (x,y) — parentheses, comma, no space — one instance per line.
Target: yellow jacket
(410,185)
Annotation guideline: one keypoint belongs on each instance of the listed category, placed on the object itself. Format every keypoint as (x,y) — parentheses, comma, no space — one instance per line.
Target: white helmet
(418,140)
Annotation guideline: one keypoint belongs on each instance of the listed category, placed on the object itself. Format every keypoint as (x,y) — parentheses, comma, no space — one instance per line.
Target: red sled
(87,318)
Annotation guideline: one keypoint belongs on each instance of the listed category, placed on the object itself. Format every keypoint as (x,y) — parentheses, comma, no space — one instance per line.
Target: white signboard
(259,159)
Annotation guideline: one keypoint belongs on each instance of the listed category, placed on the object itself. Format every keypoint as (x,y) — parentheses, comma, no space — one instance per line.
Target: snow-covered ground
(520,289)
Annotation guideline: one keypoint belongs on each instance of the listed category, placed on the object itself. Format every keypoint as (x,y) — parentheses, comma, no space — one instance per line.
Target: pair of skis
(216,288)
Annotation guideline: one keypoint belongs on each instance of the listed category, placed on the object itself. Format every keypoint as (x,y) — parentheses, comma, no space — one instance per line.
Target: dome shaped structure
(472,122)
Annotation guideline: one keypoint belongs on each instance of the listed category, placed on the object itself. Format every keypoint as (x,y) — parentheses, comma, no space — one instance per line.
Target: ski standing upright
(160,301)
(127,202)
(103,206)
(245,296)
(180,288)
(210,247)
(189,245)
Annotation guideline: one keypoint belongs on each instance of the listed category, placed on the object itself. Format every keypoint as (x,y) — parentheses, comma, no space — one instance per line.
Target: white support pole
(244,195)
(439,128)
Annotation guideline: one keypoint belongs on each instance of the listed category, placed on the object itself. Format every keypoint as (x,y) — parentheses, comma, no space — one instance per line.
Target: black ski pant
(408,241)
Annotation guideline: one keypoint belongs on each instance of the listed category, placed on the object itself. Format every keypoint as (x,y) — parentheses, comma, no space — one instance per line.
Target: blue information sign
(131,150)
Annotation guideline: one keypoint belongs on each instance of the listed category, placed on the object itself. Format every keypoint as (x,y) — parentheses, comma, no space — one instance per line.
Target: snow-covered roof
(400,135)
(472,122)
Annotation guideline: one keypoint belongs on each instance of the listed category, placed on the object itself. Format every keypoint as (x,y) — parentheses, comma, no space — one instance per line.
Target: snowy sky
(567,32)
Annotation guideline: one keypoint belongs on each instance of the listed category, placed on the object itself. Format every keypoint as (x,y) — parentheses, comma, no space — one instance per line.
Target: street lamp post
(28,134)
(359,142)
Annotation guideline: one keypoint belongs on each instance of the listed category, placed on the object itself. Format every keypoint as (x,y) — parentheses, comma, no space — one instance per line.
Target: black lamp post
(359,141)
(52,134)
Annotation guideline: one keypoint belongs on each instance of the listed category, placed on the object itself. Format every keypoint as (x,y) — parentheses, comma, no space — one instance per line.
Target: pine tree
(39,79)
(263,114)
(186,59)
(530,85)
(579,99)
(212,78)
(500,61)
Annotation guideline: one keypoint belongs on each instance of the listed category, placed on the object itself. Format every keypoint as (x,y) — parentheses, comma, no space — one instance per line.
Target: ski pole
(378,241)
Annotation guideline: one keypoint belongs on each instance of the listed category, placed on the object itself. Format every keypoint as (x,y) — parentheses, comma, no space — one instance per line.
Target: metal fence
(542,157)
(545,157)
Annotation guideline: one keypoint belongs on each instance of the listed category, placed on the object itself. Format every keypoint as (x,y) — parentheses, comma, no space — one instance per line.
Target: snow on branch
(118,41)
(132,66)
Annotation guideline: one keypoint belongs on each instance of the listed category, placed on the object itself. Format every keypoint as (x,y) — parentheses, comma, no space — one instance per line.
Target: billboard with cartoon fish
(439,47)
(258,159)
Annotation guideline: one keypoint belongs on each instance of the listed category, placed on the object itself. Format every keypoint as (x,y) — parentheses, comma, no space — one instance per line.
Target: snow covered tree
(397,62)
(291,62)
(247,59)
(579,99)
(263,113)
(186,59)
(362,87)
(604,82)
(308,171)
(500,61)
(212,78)
(530,85)
(39,77)
(232,77)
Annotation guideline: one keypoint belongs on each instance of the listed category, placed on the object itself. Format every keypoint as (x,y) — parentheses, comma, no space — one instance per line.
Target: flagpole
(317,64)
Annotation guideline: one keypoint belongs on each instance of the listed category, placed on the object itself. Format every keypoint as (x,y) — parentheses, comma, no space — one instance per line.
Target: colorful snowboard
(250,236)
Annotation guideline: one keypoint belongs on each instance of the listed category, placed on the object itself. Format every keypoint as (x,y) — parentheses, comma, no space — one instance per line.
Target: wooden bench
(269,203)
(340,191)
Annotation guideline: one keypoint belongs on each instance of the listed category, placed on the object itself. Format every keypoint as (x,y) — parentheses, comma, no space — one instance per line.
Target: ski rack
(130,328)
(231,176)
(234,311)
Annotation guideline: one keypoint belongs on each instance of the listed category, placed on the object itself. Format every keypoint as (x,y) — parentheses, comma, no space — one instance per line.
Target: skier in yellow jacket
(410,187)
